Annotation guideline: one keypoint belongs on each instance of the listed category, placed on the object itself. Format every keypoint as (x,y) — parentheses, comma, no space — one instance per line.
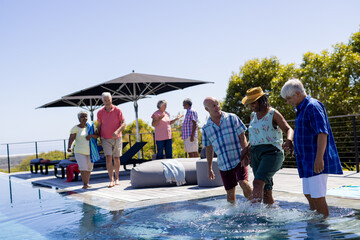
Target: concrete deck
(287,186)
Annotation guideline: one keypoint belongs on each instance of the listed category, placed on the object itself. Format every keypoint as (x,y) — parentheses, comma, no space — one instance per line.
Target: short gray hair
(188,101)
(291,86)
(160,102)
(81,113)
(105,94)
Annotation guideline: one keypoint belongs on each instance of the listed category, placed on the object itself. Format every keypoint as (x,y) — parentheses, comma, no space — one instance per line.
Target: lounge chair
(60,168)
(126,158)
(34,164)
(102,161)
(44,167)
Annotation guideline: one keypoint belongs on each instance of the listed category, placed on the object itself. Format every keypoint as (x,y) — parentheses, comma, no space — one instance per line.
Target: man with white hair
(314,145)
(111,122)
(224,134)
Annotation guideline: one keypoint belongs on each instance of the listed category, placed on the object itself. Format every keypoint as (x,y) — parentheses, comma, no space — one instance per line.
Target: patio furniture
(151,174)
(203,176)
(44,166)
(127,157)
(60,168)
(34,165)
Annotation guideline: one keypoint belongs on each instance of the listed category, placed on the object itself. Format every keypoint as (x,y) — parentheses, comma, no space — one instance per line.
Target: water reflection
(87,223)
(10,191)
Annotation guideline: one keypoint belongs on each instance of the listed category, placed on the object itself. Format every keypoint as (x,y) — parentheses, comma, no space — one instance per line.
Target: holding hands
(288,146)
(245,156)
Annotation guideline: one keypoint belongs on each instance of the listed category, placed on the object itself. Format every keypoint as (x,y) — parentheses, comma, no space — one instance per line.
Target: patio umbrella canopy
(89,103)
(128,88)
(135,86)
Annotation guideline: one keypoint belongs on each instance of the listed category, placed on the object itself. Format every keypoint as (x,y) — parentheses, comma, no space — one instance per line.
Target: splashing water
(216,218)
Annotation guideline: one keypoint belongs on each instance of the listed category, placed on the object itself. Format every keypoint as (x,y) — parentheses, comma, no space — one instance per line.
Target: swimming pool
(29,212)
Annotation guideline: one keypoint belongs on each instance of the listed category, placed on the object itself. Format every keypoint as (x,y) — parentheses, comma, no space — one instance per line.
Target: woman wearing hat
(266,140)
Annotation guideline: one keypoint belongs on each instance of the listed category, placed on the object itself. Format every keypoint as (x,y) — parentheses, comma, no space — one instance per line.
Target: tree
(331,76)
(267,73)
(146,133)
(354,42)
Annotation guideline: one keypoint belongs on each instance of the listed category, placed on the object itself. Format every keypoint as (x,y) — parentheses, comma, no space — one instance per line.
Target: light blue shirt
(224,139)
(262,131)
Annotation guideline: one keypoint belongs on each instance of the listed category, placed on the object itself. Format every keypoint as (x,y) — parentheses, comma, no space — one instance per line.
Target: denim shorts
(266,160)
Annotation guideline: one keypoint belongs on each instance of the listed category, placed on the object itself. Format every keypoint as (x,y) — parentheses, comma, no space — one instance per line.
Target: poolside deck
(287,186)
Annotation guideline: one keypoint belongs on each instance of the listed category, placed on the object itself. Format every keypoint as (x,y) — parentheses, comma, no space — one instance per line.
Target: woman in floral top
(266,140)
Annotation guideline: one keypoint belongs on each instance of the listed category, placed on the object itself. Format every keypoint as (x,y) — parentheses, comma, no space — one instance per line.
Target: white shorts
(315,186)
(84,162)
(191,146)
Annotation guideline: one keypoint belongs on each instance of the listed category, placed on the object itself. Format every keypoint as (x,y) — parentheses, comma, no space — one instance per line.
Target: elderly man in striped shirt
(189,130)
(224,134)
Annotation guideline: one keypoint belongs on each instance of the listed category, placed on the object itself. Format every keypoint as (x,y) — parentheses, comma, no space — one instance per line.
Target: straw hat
(252,95)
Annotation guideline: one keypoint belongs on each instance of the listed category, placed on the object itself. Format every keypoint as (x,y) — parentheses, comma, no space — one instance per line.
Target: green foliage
(146,135)
(349,168)
(267,73)
(177,145)
(354,42)
(146,132)
(332,77)
(25,164)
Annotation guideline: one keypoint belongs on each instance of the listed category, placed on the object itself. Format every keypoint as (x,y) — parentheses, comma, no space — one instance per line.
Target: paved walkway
(287,186)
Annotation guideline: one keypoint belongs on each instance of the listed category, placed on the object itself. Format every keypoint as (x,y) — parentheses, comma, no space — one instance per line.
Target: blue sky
(49,49)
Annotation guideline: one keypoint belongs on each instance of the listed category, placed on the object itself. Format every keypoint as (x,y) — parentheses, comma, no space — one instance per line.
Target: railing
(345,129)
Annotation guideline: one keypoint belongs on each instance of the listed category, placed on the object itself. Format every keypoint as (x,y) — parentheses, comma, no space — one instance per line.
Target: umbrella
(135,86)
(89,103)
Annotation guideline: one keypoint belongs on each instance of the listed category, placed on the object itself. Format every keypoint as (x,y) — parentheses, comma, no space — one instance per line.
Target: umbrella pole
(92,115)
(137,125)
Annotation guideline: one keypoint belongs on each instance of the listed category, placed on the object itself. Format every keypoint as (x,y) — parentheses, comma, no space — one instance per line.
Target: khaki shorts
(84,162)
(112,147)
(191,146)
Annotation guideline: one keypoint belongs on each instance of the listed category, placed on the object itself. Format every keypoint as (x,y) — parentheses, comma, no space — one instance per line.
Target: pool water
(28,212)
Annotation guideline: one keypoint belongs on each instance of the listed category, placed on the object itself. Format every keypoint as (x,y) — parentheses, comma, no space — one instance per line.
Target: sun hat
(252,95)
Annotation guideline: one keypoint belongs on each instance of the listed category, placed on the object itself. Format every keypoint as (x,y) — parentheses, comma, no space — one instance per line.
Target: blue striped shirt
(311,119)
(224,139)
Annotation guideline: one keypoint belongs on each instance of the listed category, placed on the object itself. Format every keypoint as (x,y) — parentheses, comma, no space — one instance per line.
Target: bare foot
(111,184)
(86,186)
(117,182)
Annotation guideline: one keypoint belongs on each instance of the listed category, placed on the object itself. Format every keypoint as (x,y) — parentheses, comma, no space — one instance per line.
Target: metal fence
(346,134)
(345,129)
